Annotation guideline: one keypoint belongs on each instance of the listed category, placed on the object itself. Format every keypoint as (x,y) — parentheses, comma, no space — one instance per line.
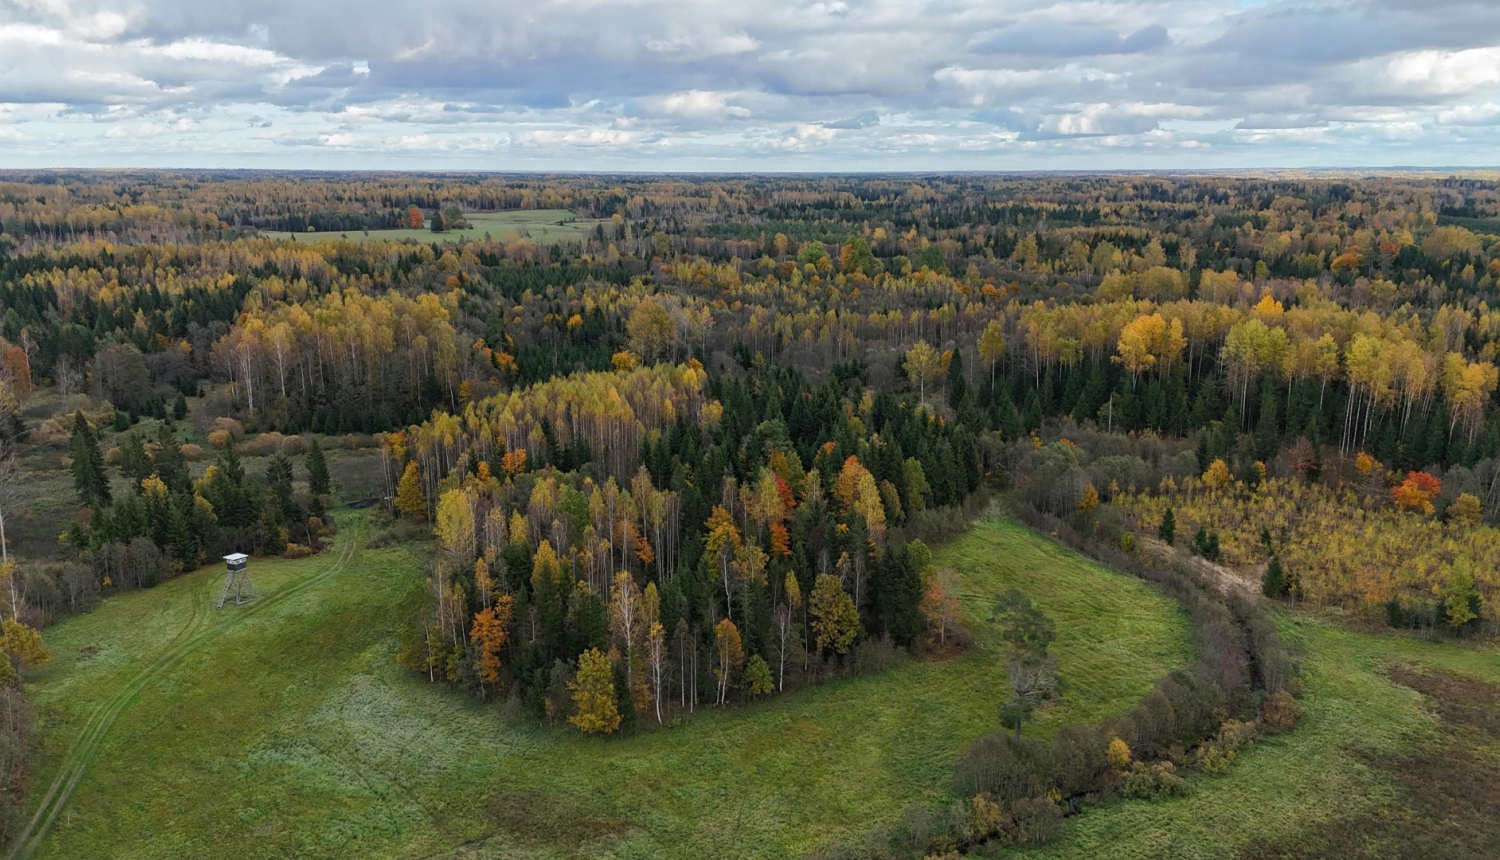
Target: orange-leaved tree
(1417,492)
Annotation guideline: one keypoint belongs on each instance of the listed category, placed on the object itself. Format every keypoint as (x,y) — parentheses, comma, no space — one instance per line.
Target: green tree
(1461,597)
(835,620)
(88,465)
(318,482)
(594,694)
(135,463)
(1032,670)
(1273,583)
(923,366)
(168,462)
(1167,531)
(179,407)
(758,676)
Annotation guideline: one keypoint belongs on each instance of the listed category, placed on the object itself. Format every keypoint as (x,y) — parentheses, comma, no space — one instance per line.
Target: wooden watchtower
(237,587)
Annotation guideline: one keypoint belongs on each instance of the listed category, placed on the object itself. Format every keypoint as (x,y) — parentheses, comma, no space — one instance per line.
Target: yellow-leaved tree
(410,500)
(594,694)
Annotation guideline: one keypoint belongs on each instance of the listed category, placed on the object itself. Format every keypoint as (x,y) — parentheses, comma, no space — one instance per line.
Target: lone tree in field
(409,497)
(1033,671)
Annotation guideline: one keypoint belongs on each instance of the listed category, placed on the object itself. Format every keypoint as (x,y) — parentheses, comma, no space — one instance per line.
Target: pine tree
(1168,529)
(179,407)
(88,465)
(135,463)
(318,482)
(1274,583)
(180,540)
(169,464)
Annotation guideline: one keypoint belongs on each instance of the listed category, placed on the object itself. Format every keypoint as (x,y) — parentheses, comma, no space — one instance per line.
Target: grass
(290,732)
(538,225)
(1287,786)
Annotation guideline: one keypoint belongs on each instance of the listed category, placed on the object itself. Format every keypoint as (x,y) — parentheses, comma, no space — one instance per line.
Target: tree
(940,603)
(414,218)
(318,482)
(455,526)
(992,346)
(89,478)
(1417,492)
(1118,755)
(169,464)
(656,660)
(135,463)
(1217,475)
(729,656)
(652,331)
(758,676)
(835,620)
(594,694)
(1273,583)
(1088,500)
(923,365)
(490,630)
(22,644)
(1461,597)
(1167,531)
(785,624)
(1033,671)
(410,500)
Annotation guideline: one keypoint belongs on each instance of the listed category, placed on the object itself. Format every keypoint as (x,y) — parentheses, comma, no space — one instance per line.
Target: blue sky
(746,86)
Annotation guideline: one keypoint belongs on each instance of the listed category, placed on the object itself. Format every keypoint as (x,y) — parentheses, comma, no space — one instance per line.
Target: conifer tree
(1168,529)
(88,465)
(318,482)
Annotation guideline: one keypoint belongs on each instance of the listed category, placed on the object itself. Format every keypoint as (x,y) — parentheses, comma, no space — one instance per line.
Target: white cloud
(793,83)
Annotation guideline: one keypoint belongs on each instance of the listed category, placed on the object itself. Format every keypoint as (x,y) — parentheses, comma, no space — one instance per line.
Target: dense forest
(698,455)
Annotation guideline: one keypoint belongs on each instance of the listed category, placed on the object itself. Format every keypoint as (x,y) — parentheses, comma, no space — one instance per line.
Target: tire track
(187,640)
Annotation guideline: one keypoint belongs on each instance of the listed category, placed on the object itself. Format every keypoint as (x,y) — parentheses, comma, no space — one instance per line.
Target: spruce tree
(317,470)
(169,463)
(1168,529)
(179,407)
(88,465)
(135,463)
(1273,584)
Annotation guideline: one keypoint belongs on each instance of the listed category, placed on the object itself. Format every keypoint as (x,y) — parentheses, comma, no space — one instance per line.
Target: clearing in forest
(292,733)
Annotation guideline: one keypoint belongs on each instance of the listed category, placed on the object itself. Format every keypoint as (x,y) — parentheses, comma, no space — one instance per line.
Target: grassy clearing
(293,734)
(1290,785)
(538,225)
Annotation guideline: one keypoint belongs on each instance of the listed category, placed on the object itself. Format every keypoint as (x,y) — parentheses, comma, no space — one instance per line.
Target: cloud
(1044,40)
(823,84)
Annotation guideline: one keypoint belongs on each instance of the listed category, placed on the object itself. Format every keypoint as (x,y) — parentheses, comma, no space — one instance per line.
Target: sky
(750,85)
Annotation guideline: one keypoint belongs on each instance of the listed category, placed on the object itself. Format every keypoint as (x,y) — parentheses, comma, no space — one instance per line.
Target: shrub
(1008,767)
(293,446)
(192,453)
(1127,541)
(263,445)
(1280,712)
(297,550)
(1153,782)
(1038,820)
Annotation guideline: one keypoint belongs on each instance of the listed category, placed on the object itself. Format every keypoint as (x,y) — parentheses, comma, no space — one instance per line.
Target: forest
(703,455)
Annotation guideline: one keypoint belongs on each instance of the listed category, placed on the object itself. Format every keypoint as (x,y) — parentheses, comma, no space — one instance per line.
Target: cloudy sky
(749,84)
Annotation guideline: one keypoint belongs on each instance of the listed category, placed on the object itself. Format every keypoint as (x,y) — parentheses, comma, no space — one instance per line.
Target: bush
(1280,712)
(293,446)
(1153,782)
(1008,767)
(1038,820)
(192,453)
(263,445)
(297,550)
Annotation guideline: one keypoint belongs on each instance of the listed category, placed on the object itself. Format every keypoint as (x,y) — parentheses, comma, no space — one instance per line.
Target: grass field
(538,225)
(289,731)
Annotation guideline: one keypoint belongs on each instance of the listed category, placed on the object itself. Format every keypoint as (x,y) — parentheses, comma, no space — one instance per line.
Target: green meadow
(538,225)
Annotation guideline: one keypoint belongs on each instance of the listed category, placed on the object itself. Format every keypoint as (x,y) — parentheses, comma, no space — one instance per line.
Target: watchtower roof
(236,556)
